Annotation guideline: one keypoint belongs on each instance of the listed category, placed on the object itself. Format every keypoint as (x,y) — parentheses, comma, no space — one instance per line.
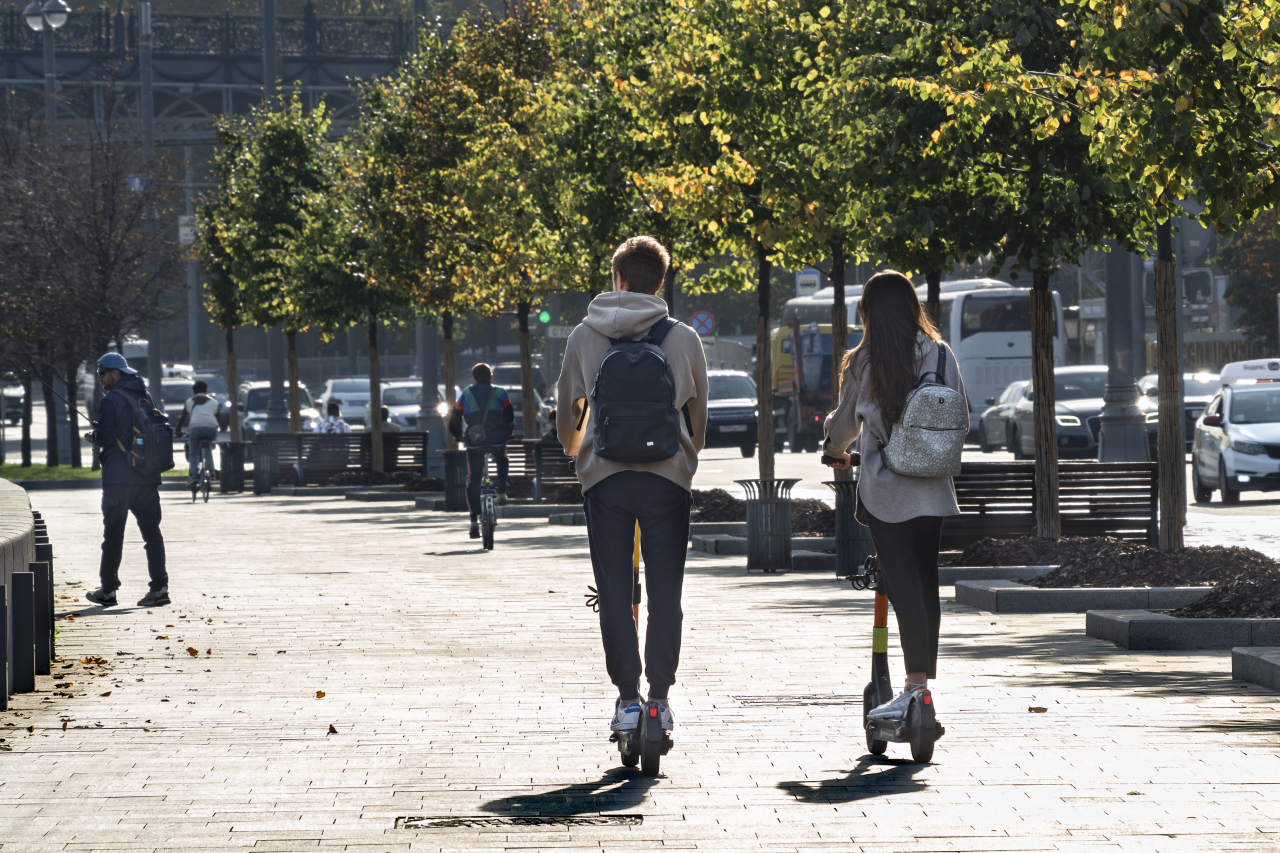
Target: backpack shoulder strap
(658,331)
(940,373)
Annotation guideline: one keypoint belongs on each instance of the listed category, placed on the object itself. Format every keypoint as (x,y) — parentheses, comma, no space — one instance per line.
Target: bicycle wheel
(204,485)
(486,529)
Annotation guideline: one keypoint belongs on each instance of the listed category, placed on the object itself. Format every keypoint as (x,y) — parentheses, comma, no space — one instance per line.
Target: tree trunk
(375,397)
(73,417)
(839,317)
(233,390)
(450,374)
(1171,465)
(295,407)
(933,298)
(1048,521)
(528,408)
(26,420)
(669,288)
(50,417)
(764,372)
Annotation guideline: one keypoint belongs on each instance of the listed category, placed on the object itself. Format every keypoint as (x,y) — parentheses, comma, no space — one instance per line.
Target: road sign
(186,230)
(808,281)
(703,322)
(559,331)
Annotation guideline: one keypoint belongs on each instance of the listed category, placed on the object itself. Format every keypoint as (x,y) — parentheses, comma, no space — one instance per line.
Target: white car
(252,405)
(1237,443)
(352,394)
(402,399)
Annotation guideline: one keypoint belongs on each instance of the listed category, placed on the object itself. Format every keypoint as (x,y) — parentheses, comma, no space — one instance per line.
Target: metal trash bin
(853,539)
(266,466)
(231,475)
(455,480)
(768,524)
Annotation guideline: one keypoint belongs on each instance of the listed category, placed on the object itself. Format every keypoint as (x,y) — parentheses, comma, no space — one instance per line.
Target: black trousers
(475,473)
(613,506)
(144,503)
(908,555)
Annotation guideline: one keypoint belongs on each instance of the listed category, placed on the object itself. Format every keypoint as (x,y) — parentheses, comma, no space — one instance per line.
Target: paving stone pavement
(466,684)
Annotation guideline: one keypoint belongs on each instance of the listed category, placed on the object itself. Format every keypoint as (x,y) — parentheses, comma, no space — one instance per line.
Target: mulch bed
(809,516)
(408,481)
(1247,583)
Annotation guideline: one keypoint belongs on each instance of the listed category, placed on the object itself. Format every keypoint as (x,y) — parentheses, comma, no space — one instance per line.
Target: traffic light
(544,317)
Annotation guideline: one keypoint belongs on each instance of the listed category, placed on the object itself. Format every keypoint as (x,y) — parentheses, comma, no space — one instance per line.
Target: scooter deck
(897,731)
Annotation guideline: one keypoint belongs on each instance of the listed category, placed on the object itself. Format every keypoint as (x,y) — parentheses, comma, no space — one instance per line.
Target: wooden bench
(313,457)
(1095,499)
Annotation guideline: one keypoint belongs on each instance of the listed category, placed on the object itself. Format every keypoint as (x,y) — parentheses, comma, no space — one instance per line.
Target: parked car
(1078,401)
(731,410)
(13,395)
(507,376)
(251,403)
(174,394)
(402,399)
(352,394)
(1197,390)
(995,425)
(1236,447)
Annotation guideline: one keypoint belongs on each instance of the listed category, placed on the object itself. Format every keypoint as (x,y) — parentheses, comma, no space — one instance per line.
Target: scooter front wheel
(921,723)
(875,747)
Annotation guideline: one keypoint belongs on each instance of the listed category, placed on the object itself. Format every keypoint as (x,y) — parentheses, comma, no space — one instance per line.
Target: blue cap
(115,361)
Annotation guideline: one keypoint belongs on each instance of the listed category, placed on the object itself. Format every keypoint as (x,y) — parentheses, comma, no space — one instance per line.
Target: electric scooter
(919,727)
(646,743)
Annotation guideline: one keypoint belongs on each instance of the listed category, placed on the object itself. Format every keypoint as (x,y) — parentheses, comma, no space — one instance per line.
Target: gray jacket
(886,495)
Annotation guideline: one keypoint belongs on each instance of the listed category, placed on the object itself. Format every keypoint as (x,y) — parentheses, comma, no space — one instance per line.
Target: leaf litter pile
(408,481)
(1246,583)
(809,516)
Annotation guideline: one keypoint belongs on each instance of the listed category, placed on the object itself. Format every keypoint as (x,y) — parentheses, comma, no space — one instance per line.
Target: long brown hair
(892,318)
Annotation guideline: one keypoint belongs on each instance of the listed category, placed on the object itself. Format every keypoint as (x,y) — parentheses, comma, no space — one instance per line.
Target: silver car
(251,404)
(996,423)
(1236,447)
(403,399)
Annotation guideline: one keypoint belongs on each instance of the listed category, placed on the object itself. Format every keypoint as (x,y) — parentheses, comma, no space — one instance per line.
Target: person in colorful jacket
(483,417)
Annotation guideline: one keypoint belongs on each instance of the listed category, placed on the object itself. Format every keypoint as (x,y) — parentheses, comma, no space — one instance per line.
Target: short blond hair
(642,263)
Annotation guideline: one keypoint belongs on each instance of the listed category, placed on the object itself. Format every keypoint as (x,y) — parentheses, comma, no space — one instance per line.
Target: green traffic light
(544,317)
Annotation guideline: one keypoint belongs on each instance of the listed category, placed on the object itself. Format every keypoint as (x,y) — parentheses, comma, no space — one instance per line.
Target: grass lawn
(42,472)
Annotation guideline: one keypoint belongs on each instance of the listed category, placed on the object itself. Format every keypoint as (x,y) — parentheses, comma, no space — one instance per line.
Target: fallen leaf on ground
(108,693)
(31,728)
(332,730)
(319,694)
(193,652)
(64,727)
(282,651)
(1036,709)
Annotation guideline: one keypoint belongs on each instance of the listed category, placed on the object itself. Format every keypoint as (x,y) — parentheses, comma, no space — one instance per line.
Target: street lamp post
(44,19)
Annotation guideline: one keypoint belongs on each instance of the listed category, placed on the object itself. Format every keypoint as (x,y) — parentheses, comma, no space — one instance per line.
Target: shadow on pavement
(863,782)
(619,788)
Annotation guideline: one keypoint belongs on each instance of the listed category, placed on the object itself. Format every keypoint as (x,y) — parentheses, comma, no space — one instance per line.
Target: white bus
(986,322)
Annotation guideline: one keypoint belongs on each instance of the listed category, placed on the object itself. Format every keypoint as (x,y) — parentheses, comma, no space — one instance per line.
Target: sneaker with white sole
(155,598)
(102,597)
(667,721)
(626,718)
(894,709)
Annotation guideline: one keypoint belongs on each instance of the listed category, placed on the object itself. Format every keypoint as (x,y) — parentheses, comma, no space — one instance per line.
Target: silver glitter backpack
(929,438)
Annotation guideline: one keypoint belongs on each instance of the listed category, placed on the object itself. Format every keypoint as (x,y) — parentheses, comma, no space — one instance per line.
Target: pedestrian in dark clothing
(483,417)
(125,488)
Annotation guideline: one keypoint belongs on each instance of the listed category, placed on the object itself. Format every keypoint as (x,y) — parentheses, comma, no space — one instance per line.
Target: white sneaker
(626,719)
(664,716)
(894,709)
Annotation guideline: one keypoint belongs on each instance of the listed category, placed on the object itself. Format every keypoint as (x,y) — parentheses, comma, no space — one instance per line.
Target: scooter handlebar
(855,459)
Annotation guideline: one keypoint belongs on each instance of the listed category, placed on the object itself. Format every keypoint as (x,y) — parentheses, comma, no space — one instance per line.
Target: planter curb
(1142,630)
(1007,596)
(1261,665)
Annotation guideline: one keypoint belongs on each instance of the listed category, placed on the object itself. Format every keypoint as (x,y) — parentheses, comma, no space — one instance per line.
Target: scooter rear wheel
(650,740)
(921,724)
(875,747)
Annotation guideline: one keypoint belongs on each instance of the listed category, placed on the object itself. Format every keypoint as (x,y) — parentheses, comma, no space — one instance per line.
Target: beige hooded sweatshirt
(623,314)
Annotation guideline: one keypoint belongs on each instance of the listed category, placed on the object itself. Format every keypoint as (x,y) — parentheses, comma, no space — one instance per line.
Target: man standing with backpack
(483,417)
(131,463)
(632,407)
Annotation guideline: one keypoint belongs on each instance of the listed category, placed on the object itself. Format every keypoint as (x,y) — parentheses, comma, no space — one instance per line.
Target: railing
(103,31)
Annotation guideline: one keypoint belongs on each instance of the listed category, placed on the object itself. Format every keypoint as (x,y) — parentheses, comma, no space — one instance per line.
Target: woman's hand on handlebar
(838,462)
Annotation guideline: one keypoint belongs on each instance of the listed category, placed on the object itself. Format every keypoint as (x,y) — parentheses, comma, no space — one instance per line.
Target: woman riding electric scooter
(899,345)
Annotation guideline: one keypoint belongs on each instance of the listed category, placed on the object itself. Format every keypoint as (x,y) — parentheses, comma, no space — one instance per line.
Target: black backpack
(151,439)
(636,419)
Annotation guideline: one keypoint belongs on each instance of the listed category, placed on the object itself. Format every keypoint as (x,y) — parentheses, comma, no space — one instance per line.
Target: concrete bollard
(41,618)
(6,684)
(24,647)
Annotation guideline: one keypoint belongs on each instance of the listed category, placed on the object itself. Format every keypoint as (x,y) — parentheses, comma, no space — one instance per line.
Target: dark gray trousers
(144,502)
(908,555)
(613,506)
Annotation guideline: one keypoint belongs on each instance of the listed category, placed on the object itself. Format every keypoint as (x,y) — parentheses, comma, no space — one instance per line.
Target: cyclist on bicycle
(490,420)
(204,413)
